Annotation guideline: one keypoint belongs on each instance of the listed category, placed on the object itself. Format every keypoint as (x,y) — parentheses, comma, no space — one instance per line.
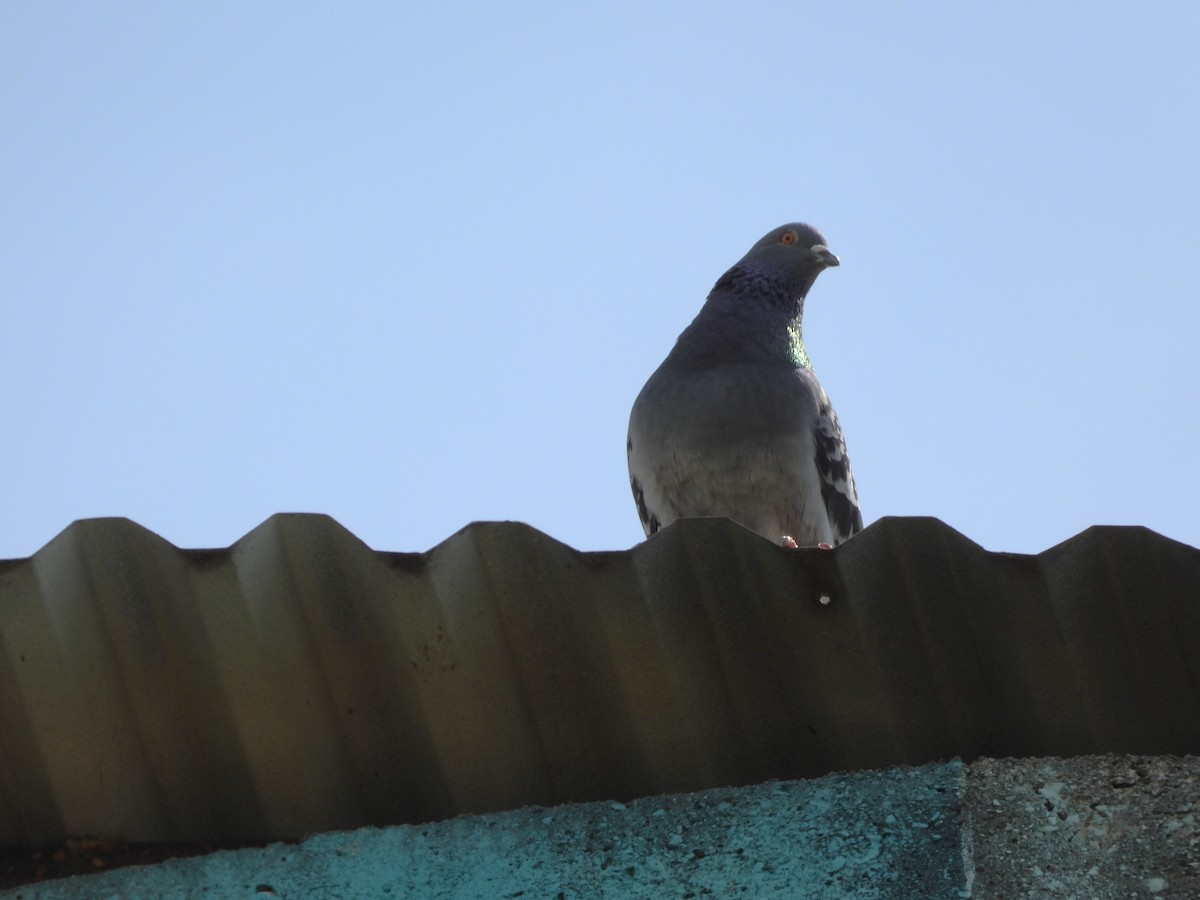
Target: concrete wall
(1096,827)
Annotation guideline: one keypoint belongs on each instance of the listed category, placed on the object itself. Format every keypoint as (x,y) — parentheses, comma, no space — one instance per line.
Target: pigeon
(734,422)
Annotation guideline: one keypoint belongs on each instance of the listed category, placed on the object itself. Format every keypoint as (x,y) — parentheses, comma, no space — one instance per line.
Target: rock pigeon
(734,422)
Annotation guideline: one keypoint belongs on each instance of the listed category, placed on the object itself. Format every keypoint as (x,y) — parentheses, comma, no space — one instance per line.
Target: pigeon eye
(788,237)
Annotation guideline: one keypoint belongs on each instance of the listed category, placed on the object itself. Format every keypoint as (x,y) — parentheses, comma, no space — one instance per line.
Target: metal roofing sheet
(299,681)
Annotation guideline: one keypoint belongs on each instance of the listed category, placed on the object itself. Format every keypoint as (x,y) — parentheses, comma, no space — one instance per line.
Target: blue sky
(410,266)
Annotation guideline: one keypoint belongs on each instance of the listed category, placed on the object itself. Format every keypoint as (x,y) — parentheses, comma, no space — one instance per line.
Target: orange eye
(788,237)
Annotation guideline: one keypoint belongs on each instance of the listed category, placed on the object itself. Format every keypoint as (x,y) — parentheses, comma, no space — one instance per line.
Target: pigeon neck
(796,350)
(749,314)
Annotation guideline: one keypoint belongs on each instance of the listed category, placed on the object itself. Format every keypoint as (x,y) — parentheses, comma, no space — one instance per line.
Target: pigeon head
(756,307)
(795,252)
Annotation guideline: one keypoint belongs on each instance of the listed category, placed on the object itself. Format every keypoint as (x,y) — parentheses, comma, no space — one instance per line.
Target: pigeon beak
(825,255)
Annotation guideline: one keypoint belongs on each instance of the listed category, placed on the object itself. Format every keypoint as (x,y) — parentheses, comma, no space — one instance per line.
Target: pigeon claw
(788,542)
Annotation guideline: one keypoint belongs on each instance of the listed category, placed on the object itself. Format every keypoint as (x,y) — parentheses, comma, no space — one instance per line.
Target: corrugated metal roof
(299,681)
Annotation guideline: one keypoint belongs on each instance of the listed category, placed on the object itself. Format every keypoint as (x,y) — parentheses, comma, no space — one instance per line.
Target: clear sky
(409,264)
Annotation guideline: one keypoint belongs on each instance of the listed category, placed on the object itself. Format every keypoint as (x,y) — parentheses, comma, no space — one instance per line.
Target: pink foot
(788,542)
